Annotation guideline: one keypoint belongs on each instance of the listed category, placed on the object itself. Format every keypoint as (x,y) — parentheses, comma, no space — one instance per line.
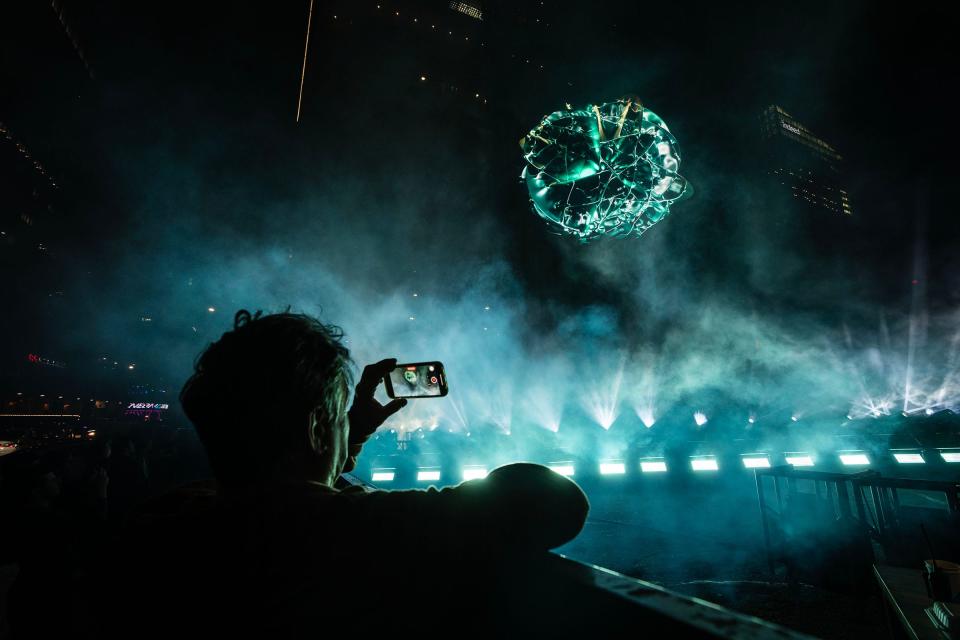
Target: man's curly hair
(253,390)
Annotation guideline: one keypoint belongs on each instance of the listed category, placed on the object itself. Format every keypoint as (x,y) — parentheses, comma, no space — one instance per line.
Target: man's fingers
(392,407)
(372,374)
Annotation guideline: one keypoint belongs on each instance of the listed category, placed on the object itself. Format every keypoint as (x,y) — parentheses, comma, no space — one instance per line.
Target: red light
(411,368)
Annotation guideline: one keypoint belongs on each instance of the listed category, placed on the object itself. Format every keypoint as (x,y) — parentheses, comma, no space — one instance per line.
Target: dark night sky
(177,158)
(869,78)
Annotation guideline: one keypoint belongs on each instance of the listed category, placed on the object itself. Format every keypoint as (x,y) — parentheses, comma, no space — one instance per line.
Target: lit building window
(467,9)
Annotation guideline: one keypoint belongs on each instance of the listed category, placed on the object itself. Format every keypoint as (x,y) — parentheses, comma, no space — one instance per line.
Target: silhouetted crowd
(62,506)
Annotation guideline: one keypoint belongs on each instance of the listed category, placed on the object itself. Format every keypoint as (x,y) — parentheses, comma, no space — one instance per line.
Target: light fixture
(563,468)
(751,461)
(799,459)
(854,458)
(653,466)
(704,464)
(474,473)
(612,467)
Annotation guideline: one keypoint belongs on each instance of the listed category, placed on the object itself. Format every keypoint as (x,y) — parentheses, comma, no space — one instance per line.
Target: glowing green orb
(606,170)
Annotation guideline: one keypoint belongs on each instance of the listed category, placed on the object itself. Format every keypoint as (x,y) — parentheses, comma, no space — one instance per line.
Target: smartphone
(417,380)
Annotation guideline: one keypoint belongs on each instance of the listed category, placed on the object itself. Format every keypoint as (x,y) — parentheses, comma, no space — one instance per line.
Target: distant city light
(800,460)
(700,418)
(431,475)
(909,458)
(756,462)
(704,464)
(950,456)
(383,475)
(40,415)
(131,366)
(854,459)
(474,473)
(423,78)
(653,466)
(563,468)
(612,468)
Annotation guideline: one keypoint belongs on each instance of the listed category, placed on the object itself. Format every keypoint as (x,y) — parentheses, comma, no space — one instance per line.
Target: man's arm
(367,414)
(518,507)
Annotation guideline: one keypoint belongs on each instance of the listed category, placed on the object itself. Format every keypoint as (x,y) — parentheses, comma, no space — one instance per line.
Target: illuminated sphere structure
(606,170)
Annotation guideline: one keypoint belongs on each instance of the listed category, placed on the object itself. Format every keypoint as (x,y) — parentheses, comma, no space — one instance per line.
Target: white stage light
(653,466)
(563,468)
(756,462)
(700,418)
(428,475)
(612,468)
(854,459)
(800,460)
(383,475)
(909,458)
(950,456)
(704,464)
(474,473)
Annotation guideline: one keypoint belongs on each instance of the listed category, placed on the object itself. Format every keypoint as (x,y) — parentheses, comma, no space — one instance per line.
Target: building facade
(807,168)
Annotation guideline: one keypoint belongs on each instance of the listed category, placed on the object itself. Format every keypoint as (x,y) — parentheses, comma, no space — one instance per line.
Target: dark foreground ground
(698,534)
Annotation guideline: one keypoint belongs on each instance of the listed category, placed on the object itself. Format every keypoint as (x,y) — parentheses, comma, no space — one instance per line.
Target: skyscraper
(805,166)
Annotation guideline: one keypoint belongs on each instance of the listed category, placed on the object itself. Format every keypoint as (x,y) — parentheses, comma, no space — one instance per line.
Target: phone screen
(417,380)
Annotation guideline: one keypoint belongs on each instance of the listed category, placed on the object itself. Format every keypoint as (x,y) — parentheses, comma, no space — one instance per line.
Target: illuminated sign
(147,406)
(46,362)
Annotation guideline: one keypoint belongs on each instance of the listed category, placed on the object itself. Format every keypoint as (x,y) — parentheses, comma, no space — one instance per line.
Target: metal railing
(868,501)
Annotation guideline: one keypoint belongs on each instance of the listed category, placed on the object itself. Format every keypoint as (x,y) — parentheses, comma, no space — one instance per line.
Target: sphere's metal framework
(605,170)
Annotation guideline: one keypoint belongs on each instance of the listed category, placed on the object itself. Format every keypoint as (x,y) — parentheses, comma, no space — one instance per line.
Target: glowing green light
(852,459)
(605,170)
(800,460)
(653,466)
(909,458)
(474,473)
(564,469)
(612,468)
(704,464)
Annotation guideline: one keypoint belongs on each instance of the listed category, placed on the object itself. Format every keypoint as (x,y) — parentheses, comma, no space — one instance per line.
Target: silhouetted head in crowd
(269,401)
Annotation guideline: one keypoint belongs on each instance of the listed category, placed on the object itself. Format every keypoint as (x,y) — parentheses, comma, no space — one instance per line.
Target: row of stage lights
(697,463)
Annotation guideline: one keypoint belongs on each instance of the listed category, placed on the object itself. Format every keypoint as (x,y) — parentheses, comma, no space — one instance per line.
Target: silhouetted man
(277,549)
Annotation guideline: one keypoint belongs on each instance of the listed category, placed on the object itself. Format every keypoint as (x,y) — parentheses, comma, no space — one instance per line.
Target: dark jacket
(297,560)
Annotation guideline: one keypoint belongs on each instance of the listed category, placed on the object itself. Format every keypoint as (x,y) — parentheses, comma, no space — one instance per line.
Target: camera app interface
(416,381)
